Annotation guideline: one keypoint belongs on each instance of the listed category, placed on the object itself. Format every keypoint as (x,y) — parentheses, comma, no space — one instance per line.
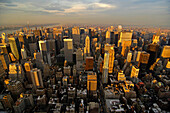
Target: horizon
(132,12)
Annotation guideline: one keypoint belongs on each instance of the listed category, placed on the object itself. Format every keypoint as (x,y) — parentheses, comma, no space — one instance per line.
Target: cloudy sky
(136,12)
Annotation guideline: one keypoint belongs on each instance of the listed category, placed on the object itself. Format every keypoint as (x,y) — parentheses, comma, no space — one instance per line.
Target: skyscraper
(134,72)
(16,72)
(28,67)
(36,77)
(105,68)
(124,36)
(87,46)
(76,36)
(23,52)
(89,63)
(15,47)
(44,49)
(108,37)
(91,82)
(111,59)
(68,49)
(5,60)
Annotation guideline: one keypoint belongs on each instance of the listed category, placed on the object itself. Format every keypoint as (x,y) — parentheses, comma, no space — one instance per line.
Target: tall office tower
(6,101)
(125,47)
(44,50)
(134,72)
(16,72)
(28,67)
(52,47)
(119,29)
(111,59)
(134,43)
(121,76)
(100,60)
(23,40)
(15,87)
(25,101)
(2,71)
(91,82)
(112,37)
(105,68)
(68,49)
(89,63)
(4,37)
(144,57)
(129,57)
(108,37)
(79,55)
(165,52)
(67,71)
(46,70)
(107,47)
(125,36)
(153,51)
(76,36)
(155,39)
(15,47)
(87,46)
(5,60)
(23,52)
(36,77)
(136,57)
(33,47)
(5,48)
(31,38)
(82,31)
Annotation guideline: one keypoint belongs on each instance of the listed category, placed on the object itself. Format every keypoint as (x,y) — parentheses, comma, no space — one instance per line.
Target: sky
(125,12)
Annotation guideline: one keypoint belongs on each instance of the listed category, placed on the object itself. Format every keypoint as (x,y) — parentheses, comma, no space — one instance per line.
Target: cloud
(5,1)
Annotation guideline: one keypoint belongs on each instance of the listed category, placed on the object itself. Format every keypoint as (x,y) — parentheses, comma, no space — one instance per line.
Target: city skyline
(131,12)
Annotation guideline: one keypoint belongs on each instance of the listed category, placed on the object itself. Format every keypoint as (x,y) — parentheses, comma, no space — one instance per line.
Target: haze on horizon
(128,12)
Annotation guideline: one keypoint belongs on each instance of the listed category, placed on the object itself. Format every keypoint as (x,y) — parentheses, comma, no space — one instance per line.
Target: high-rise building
(136,56)
(91,82)
(37,78)
(28,67)
(134,72)
(125,36)
(144,57)
(44,50)
(105,68)
(2,71)
(89,63)
(111,59)
(165,52)
(68,49)
(156,37)
(79,55)
(108,37)
(15,87)
(6,101)
(23,52)
(125,47)
(107,47)
(16,72)
(5,60)
(129,57)
(87,46)
(52,46)
(25,101)
(15,47)
(121,76)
